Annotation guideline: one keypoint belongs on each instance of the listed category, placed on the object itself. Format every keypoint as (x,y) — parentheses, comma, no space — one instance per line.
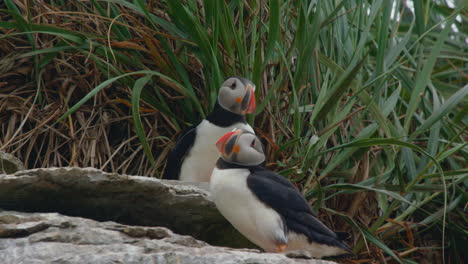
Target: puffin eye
(253,143)
(233,85)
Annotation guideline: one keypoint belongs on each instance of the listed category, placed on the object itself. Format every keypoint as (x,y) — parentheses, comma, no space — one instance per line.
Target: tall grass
(362,104)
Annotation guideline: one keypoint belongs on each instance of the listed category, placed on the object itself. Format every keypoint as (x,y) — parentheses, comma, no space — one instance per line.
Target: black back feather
(278,193)
(177,154)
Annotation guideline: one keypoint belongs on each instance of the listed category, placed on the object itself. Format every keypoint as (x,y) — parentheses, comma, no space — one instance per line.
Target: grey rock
(182,207)
(9,164)
(53,238)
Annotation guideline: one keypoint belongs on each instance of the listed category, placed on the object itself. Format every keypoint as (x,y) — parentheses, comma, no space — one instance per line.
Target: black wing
(278,193)
(178,153)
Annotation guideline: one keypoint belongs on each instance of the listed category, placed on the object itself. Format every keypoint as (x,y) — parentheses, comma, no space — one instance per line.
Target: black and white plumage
(194,156)
(265,207)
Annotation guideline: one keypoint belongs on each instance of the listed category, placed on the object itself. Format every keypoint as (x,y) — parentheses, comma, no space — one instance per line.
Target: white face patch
(237,96)
(241,147)
(231,94)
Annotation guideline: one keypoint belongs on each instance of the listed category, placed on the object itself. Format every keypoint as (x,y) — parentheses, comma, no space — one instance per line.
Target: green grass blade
(443,110)
(370,237)
(357,186)
(105,84)
(339,89)
(423,76)
(136,93)
(369,142)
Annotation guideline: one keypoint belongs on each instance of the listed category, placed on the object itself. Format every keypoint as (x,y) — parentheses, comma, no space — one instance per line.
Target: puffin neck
(224,118)
(223,165)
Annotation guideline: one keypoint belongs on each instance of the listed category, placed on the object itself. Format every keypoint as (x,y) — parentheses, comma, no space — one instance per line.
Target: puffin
(264,206)
(194,155)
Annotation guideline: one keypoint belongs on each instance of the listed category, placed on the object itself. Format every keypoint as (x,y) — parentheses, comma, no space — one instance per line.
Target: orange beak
(248,102)
(222,141)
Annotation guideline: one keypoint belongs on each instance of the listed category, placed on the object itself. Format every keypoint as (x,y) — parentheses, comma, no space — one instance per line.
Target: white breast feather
(200,161)
(260,224)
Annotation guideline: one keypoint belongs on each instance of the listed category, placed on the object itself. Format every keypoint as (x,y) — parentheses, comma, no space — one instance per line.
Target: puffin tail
(344,250)
(342,235)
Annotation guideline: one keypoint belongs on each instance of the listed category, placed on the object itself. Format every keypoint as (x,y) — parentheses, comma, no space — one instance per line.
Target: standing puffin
(264,206)
(194,156)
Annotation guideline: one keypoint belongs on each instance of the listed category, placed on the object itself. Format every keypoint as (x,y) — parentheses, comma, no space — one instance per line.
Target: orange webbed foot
(282,248)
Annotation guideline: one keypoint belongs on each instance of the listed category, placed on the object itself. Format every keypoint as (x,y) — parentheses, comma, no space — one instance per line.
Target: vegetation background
(362,104)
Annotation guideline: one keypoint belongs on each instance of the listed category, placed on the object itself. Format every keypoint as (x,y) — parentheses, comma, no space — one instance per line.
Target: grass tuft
(362,104)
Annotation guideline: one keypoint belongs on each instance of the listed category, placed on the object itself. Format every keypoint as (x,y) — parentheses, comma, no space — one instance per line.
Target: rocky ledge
(138,213)
(53,238)
(134,200)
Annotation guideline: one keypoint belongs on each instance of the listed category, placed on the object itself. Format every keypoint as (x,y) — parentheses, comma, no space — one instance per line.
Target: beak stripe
(230,145)
(246,100)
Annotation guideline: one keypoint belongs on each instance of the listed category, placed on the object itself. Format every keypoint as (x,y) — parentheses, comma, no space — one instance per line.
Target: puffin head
(241,147)
(237,95)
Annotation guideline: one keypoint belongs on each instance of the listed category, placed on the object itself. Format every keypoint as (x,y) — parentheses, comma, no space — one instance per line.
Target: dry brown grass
(100,134)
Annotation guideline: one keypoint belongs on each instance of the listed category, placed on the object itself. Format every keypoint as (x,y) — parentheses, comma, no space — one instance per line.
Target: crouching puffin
(265,207)
(195,154)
